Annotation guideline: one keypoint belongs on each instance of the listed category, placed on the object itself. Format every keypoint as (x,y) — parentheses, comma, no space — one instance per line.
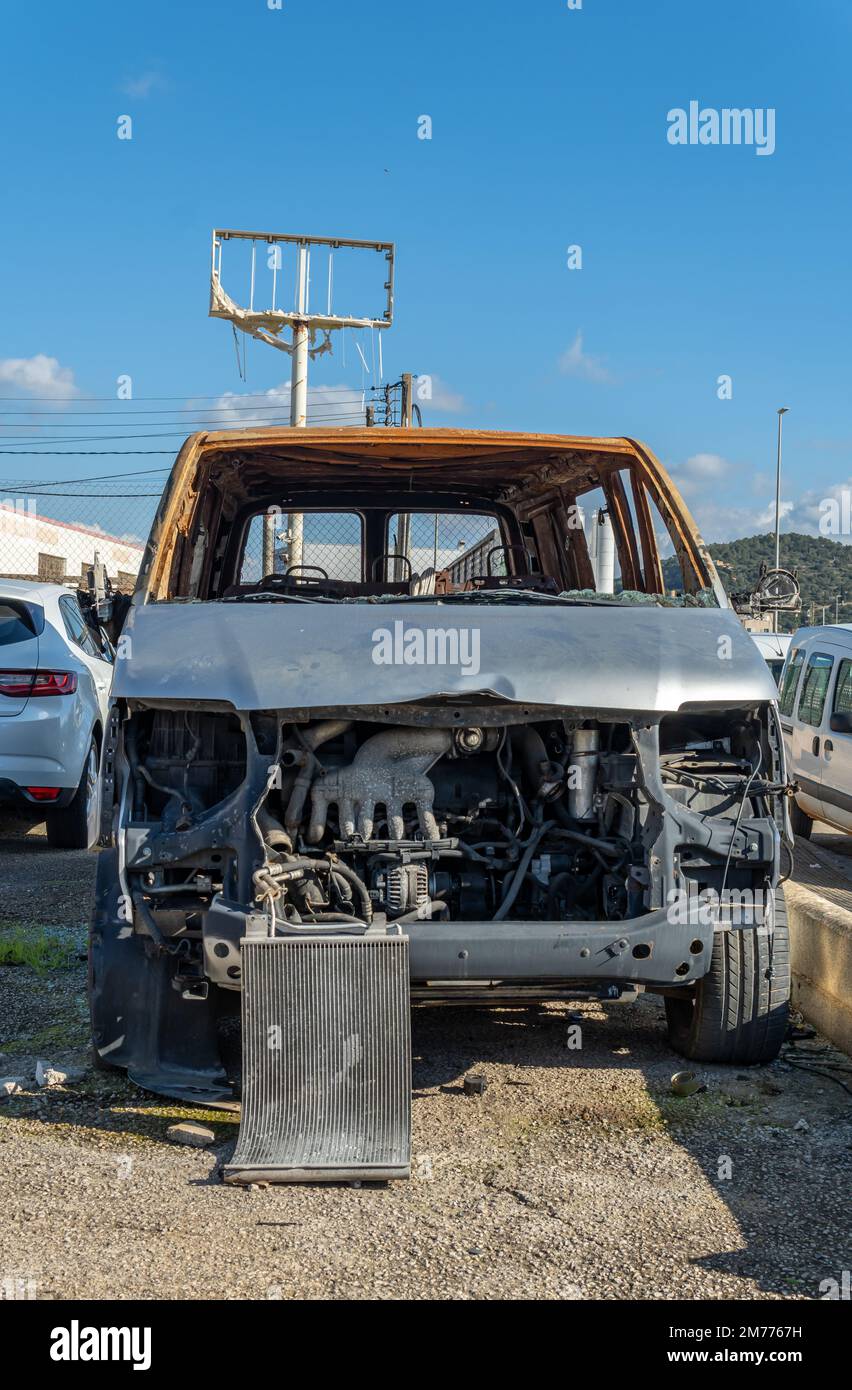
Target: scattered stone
(770,1088)
(802,1126)
(12,1085)
(46,1074)
(196,1136)
(735,1094)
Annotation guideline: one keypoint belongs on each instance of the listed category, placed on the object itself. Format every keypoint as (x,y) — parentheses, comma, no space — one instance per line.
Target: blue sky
(549,128)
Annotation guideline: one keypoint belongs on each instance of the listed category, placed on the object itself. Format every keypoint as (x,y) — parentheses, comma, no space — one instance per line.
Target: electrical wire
(802,1062)
(188,396)
(72,482)
(746,790)
(339,409)
(179,432)
(82,453)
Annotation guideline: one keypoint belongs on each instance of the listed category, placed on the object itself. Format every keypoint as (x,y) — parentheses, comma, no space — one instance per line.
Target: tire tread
(740,1011)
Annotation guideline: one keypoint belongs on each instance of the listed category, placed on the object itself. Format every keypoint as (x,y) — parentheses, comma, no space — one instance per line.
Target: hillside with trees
(824,569)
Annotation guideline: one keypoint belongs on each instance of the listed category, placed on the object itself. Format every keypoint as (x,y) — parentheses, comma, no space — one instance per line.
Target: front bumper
(148,1017)
(652,950)
(649,950)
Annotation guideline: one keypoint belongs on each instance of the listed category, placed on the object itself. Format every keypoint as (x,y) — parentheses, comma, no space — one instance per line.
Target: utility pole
(406,419)
(268,324)
(299,388)
(298,415)
(781,412)
(406,409)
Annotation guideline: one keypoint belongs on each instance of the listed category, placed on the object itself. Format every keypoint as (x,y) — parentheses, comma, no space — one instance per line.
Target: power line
(25,483)
(246,407)
(180,433)
(102,496)
(82,453)
(86,439)
(191,396)
(181,426)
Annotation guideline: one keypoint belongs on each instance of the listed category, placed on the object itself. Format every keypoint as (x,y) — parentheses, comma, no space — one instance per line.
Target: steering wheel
(390,555)
(504,550)
(315,569)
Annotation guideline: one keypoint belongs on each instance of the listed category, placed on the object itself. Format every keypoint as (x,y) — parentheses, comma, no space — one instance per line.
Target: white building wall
(24,536)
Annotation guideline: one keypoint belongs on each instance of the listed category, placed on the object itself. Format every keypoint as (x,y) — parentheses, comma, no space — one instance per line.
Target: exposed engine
(471,823)
(350,821)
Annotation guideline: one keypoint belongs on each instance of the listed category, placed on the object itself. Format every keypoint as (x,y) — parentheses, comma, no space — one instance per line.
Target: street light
(781,412)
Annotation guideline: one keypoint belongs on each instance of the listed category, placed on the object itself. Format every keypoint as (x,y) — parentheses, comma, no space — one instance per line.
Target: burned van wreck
(424,710)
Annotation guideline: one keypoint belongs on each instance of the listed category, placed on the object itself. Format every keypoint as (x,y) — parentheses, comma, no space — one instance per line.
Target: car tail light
(43,793)
(24,683)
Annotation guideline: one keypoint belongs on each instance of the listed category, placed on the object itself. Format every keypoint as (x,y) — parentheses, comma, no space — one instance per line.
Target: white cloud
(444,400)
(719,521)
(575,362)
(704,476)
(38,376)
(327,405)
(143,85)
(806,513)
(707,466)
(699,471)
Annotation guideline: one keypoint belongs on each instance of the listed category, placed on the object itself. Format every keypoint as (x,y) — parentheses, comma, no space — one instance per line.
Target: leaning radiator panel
(326,1060)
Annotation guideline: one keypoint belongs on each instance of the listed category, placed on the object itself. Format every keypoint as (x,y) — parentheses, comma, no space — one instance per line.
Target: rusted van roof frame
(534,470)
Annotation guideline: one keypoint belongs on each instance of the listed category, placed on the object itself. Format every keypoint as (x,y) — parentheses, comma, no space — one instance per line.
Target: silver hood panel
(289,656)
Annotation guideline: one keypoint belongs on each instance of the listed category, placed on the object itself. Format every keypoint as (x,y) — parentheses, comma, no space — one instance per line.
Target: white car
(55,678)
(815,705)
(773,647)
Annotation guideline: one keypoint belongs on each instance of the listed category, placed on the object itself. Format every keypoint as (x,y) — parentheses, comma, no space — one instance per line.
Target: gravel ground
(576,1176)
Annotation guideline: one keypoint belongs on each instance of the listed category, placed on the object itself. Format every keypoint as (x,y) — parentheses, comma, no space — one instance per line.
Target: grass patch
(36,947)
(154,1120)
(69,1035)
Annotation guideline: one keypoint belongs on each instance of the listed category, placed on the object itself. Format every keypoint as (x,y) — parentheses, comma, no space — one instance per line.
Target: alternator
(403,887)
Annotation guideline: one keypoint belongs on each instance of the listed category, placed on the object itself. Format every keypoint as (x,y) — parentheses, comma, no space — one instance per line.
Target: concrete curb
(821,963)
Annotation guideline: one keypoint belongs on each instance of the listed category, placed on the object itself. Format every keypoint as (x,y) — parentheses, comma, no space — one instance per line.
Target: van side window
(843,689)
(791,680)
(814,688)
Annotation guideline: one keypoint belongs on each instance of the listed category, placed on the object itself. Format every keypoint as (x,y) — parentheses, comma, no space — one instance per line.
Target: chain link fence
(53,525)
(53,531)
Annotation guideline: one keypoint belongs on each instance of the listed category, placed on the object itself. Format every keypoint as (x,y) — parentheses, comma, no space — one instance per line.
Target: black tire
(800,821)
(738,1012)
(76,826)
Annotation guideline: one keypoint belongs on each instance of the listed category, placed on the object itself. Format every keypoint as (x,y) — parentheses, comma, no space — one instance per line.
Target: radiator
(326,1060)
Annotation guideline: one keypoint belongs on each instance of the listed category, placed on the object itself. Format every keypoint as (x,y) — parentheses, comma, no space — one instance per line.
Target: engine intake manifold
(388,770)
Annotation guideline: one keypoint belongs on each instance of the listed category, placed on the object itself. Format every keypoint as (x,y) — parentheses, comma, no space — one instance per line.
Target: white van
(773,647)
(815,702)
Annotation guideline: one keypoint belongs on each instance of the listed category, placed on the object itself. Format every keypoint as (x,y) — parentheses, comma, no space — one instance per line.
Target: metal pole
(298,416)
(268,561)
(781,412)
(405,410)
(403,544)
(299,391)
